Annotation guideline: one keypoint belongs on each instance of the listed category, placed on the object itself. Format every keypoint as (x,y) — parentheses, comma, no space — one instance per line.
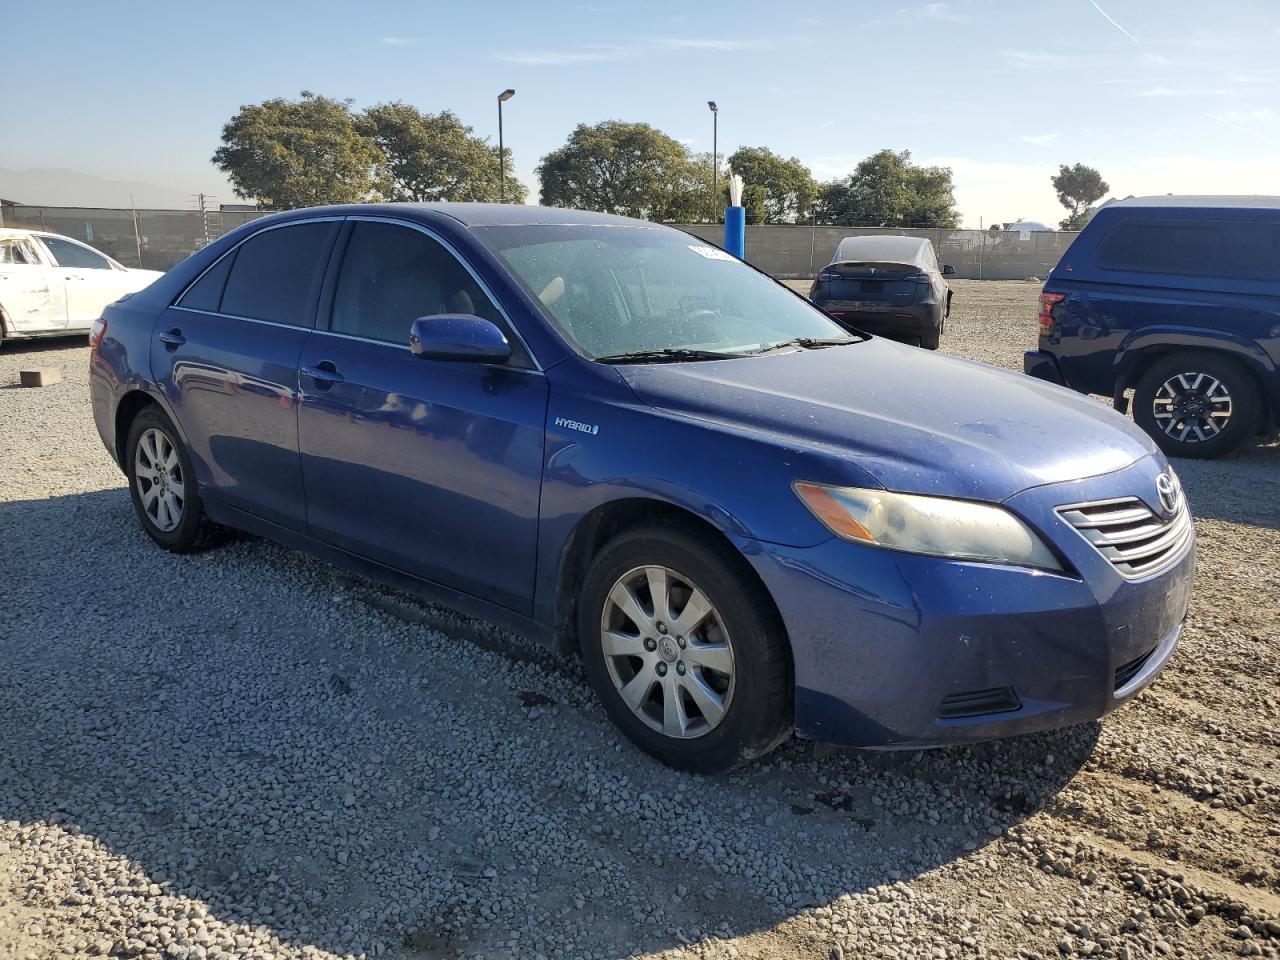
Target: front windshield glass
(617,290)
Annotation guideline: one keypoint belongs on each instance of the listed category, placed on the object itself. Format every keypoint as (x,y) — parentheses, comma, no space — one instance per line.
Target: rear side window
(206,293)
(391,275)
(276,273)
(1237,250)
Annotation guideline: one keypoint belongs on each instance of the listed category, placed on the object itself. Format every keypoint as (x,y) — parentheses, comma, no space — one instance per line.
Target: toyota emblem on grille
(1170,495)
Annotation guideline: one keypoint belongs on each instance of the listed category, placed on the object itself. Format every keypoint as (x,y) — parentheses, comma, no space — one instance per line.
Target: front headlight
(936,526)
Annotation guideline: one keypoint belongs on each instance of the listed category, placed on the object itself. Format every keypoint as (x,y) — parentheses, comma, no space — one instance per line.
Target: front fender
(604,447)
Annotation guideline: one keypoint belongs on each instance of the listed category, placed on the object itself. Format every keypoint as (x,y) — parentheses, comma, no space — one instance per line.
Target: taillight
(1047,302)
(918,278)
(828,275)
(97,332)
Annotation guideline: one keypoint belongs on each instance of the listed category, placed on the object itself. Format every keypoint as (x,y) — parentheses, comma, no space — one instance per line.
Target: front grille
(1126,531)
(1127,671)
(976,703)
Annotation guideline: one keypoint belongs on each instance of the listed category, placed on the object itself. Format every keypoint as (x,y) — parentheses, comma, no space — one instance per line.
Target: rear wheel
(684,649)
(162,484)
(1197,405)
(930,339)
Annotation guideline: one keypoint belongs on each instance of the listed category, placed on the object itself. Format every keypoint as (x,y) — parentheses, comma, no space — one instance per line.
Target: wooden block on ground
(41,376)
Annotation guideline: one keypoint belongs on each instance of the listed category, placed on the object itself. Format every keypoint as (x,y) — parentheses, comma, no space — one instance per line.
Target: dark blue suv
(1177,298)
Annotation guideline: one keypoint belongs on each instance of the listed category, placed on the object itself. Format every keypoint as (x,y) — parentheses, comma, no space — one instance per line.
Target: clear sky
(1160,95)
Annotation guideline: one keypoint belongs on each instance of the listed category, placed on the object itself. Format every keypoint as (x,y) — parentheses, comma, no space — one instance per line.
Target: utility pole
(137,235)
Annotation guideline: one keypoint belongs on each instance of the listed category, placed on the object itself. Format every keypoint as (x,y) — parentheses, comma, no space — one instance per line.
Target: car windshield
(614,291)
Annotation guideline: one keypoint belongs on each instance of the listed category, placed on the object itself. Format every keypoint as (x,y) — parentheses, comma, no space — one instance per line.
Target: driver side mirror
(458,336)
(948,270)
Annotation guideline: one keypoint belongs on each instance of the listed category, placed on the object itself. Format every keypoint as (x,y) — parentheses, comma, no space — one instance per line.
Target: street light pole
(715,160)
(503,97)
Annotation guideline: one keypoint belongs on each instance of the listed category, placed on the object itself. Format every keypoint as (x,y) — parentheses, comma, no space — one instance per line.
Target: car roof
(1200,202)
(880,247)
(487,214)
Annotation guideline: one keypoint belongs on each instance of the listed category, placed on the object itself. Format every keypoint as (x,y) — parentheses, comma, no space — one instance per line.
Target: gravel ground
(247,753)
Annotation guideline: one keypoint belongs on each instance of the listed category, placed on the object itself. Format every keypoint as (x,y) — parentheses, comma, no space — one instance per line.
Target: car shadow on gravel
(249,744)
(1242,488)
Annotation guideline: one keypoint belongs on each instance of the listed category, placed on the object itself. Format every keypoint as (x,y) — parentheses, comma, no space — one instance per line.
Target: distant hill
(71,188)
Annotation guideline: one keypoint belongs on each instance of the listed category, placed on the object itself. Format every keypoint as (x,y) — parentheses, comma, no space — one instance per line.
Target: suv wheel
(1200,406)
(684,650)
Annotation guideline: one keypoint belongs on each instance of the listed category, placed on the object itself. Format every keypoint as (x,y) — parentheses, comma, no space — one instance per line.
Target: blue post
(735,231)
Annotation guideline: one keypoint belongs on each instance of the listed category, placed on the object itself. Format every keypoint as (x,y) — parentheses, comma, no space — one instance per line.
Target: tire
(930,339)
(1197,405)
(736,655)
(155,457)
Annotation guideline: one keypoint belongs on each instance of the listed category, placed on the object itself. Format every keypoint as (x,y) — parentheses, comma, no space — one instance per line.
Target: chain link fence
(158,239)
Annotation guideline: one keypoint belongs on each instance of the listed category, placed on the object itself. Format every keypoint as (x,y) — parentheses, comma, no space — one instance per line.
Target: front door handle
(173,338)
(324,373)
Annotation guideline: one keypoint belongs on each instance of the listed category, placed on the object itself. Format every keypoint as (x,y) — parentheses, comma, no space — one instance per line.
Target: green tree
(630,169)
(788,188)
(297,153)
(433,157)
(888,190)
(1078,187)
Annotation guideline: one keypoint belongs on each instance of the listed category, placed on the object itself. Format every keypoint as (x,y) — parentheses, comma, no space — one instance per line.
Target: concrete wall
(792,251)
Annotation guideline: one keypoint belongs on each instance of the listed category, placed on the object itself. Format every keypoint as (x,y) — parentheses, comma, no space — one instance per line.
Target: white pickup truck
(54,286)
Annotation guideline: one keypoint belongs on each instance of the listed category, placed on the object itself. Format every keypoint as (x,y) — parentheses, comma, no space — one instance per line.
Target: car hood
(914,420)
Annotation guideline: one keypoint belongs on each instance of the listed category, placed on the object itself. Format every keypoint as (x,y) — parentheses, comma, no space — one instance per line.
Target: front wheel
(685,650)
(1197,405)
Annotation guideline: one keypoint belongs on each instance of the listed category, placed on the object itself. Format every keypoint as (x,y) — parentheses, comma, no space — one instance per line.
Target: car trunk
(877,282)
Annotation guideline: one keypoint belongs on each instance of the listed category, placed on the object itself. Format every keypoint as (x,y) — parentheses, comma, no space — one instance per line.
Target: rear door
(431,467)
(90,279)
(226,357)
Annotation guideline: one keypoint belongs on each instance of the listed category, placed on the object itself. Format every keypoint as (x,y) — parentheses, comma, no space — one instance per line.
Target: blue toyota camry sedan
(747,518)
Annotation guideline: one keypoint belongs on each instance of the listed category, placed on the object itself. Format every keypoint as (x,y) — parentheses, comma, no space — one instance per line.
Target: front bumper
(886,644)
(1043,366)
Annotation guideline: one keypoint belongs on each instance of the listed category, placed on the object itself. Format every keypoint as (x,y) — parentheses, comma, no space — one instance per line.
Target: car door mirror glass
(948,270)
(458,336)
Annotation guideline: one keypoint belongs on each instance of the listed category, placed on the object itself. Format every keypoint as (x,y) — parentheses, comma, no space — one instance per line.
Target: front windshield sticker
(712,253)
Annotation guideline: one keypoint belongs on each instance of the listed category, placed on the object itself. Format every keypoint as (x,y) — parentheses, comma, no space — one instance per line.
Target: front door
(90,280)
(431,467)
(226,357)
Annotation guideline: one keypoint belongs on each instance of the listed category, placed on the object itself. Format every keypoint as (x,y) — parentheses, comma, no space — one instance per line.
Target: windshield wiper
(668,355)
(810,343)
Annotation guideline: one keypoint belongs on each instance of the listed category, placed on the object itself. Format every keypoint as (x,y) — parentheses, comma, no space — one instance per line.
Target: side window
(1242,250)
(276,273)
(206,293)
(391,275)
(68,253)
(17,252)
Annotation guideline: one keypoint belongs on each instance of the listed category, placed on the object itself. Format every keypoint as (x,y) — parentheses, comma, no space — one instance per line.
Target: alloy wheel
(667,652)
(157,472)
(1192,407)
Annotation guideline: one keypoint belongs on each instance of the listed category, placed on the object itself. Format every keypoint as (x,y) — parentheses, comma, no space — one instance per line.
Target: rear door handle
(173,338)
(324,373)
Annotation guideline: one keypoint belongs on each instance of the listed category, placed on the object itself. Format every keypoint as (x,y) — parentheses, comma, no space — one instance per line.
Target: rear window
(1236,250)
(275,274)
